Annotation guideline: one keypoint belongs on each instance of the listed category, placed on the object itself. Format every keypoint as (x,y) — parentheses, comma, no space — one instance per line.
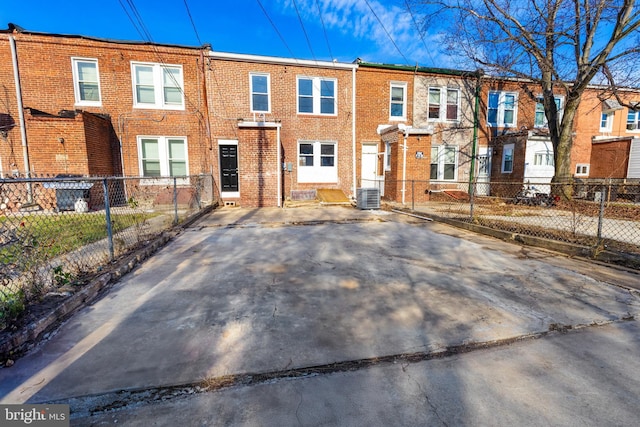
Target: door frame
(228,194)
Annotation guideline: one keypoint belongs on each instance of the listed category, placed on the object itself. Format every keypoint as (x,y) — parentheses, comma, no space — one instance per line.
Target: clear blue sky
(354,28)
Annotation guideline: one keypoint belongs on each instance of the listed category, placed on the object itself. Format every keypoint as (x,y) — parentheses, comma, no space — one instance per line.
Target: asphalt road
(335,316)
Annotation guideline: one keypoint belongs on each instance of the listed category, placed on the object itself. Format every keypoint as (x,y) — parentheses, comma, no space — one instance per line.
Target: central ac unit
(368,198)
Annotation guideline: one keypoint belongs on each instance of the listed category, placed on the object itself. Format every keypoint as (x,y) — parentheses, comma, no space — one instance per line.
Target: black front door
(229,167)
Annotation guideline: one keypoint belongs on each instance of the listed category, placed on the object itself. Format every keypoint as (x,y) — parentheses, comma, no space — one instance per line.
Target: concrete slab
(245,291)
(575,379)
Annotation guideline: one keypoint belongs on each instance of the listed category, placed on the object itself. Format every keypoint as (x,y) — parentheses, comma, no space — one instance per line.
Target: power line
(275,28)
(324,30)
(192,23)
(387,32)
(306,36)
(420,33)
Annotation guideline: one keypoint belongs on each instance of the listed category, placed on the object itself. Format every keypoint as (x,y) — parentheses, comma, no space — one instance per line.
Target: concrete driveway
(245,300)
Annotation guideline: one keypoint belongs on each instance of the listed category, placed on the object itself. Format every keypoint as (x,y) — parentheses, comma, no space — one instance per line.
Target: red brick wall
(229,100)
(47,85)
(102,150)
(610,159)
(373,86)
(412,176)
(258,161)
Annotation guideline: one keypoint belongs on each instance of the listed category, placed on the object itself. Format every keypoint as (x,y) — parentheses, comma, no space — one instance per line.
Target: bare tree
(560,45)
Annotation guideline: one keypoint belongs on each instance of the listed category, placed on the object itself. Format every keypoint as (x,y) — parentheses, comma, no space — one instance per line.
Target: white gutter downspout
(405,131)
(279,167)
(23,129)
(353,131)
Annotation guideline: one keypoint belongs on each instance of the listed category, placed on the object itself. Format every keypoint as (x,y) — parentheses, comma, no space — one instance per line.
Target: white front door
(484,171)
(369,168)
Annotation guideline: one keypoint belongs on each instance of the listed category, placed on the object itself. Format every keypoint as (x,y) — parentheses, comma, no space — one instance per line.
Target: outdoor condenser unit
(368,198)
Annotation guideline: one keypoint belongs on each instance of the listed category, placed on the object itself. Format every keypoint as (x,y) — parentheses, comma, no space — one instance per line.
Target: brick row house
(269,129)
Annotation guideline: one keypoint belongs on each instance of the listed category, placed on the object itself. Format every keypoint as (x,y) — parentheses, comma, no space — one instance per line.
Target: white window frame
(252,92)
(158,86)
(75,61)
(318,173)
(403,103)
(607,118)
(505,149)
(633,125)
(582,169)
(543,158)
(440,162)
(443,104)
(540,109)
(500,109)
(164,160)
(387,156)
(316,84)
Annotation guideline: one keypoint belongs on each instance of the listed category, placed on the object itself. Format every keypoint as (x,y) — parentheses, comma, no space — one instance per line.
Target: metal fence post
(472,192)
(601,213)
(107,213)
(175,200)
(413,196)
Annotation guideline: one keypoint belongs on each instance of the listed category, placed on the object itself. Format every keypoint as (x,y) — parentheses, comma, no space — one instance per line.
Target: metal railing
(603,214)
(55,231)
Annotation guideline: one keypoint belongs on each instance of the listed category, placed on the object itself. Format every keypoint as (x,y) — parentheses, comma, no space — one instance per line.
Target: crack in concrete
(83,406)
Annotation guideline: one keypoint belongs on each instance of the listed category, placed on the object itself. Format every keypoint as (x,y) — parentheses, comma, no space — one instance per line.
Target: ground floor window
(162,156)
(444,163)
(507,158)
(317,161)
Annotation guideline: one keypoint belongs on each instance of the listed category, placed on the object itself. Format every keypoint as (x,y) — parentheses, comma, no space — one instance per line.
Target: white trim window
(543,158)
(157,86)
(163,156)
(443,104)
(317,161)
(582,169)
(317,95)
(507,158)
(86,81)
(387,156)
(633,120)
(260,84)
(398,101)
(502,109)
(541,117)
(444,163)
(606,121)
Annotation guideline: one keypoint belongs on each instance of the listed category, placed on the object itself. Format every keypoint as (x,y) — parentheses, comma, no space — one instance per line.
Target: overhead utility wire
(192,23)
(324,30)
(420,33)
(387,32)
(275,28)
(306,36)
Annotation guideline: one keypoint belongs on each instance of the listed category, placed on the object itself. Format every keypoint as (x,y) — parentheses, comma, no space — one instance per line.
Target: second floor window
(606,122)
(316,96)
(260,102)
(397,106)
(501,109)
(86,81)
(541,118)
(158,86)
(443,104)
(633,120)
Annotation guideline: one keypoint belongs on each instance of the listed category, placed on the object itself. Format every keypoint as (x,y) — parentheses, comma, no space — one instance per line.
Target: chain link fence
(597,214)
(55,231)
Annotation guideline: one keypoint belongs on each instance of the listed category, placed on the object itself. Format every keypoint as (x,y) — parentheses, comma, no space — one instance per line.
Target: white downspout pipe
(23,129)
(353,131)
(404,164)
(279,167)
